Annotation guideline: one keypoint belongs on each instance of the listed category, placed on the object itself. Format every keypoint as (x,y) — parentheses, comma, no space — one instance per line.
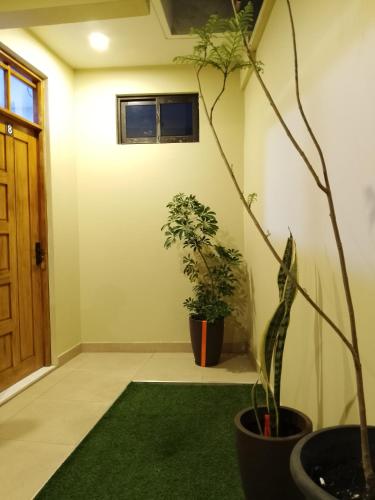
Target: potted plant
(266,435)
(327,464)
(210,267)
(231,51)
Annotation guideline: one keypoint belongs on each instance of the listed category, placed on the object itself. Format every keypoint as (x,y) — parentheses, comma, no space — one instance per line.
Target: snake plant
(273,341)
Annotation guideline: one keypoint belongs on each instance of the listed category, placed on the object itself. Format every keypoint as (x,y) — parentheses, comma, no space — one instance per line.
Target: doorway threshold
(23,384)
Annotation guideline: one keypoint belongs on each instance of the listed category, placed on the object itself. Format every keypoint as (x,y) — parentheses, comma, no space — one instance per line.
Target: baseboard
(153,347)
(136,347)
(69,354)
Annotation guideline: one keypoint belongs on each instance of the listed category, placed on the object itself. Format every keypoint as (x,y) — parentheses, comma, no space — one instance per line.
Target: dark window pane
(176,119)
(22,98)
(2,88)
(140,120)
(160,118)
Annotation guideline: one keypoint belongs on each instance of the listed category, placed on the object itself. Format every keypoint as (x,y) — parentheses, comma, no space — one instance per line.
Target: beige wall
(335,43)
(61,189)
(132,289)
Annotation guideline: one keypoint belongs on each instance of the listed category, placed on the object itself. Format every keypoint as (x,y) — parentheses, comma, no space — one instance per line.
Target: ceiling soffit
(22,14)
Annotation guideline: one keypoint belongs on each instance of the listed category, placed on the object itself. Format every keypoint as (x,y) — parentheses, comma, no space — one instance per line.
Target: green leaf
(278,356)
(270,339)
(273,341)
(224,52)
(287,258)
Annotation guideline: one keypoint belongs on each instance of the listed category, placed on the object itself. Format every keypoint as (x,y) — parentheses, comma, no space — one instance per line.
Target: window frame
(15,68)
(125,100)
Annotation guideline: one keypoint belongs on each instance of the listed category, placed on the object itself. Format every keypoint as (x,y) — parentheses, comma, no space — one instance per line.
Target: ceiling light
(98,41)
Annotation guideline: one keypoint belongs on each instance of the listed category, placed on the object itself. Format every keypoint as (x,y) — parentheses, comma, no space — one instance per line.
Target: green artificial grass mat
(159,441)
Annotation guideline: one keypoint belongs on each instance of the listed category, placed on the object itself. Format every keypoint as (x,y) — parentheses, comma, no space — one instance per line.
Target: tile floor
(41,426)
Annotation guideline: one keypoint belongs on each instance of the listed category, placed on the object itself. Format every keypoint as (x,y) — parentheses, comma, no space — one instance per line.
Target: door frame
(12,63)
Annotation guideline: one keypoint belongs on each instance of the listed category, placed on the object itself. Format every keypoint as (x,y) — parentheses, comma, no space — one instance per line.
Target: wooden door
(21,298)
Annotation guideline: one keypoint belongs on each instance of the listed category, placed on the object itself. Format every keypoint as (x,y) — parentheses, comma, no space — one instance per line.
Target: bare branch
(277,111)
(225,76)
(262,232)
(366,457)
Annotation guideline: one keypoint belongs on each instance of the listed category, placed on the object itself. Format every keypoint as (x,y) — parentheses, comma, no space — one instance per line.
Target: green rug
(159,441)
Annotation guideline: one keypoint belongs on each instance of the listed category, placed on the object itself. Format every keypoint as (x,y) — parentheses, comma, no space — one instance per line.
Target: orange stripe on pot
(204,343)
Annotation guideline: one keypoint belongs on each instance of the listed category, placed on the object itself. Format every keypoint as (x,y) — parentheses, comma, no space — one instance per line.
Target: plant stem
(225,76)
(208,270)
(366,457)
(277,111)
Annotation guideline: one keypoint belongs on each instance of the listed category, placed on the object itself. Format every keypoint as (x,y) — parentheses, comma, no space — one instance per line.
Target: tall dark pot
(206,340)
(264,461)
(316,455)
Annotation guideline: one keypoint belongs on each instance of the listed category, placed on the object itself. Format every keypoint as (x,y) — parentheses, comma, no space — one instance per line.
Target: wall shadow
(239,326)
(370,200)
(347,380)
(318,352)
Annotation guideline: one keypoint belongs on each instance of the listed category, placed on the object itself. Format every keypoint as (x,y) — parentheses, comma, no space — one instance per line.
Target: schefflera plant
(209,265)
(272,344)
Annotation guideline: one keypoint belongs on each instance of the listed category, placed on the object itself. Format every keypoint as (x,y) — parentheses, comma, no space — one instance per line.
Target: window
(157,118)
(18,89)
(22,98)
(2,87)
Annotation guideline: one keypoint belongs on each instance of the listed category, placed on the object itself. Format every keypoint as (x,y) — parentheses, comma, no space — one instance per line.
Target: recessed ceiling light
(98,41)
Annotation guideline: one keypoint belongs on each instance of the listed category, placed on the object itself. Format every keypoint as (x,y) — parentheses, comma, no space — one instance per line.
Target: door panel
(2,152)
(21,326)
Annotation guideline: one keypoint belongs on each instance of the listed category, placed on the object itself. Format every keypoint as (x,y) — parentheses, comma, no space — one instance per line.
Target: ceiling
(25,13)
(141,32)
(134,41)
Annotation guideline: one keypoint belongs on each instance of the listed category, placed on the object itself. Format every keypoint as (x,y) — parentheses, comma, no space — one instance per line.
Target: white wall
(337,69)
(61,188)
(132,289)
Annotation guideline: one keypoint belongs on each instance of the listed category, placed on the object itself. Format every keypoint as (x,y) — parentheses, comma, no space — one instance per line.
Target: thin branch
(261,230)
(366,457)
(298,96)
(327,182)
(277,111)
(208,270)
(225,76)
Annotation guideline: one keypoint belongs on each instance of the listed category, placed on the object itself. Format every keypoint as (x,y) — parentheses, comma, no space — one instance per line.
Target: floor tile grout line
(152,354)
(83,368)
(104,407)
(70,445)
(54,443)
(124,385)
(74,444)
(70,400)
(33,398)
(25,383)
(17,411)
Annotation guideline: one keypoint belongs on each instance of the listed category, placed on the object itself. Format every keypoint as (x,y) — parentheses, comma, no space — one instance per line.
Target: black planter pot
(264,461)
(317,453)
(206,340)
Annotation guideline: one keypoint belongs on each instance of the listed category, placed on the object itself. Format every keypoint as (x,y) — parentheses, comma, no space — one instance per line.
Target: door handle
(39,253)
